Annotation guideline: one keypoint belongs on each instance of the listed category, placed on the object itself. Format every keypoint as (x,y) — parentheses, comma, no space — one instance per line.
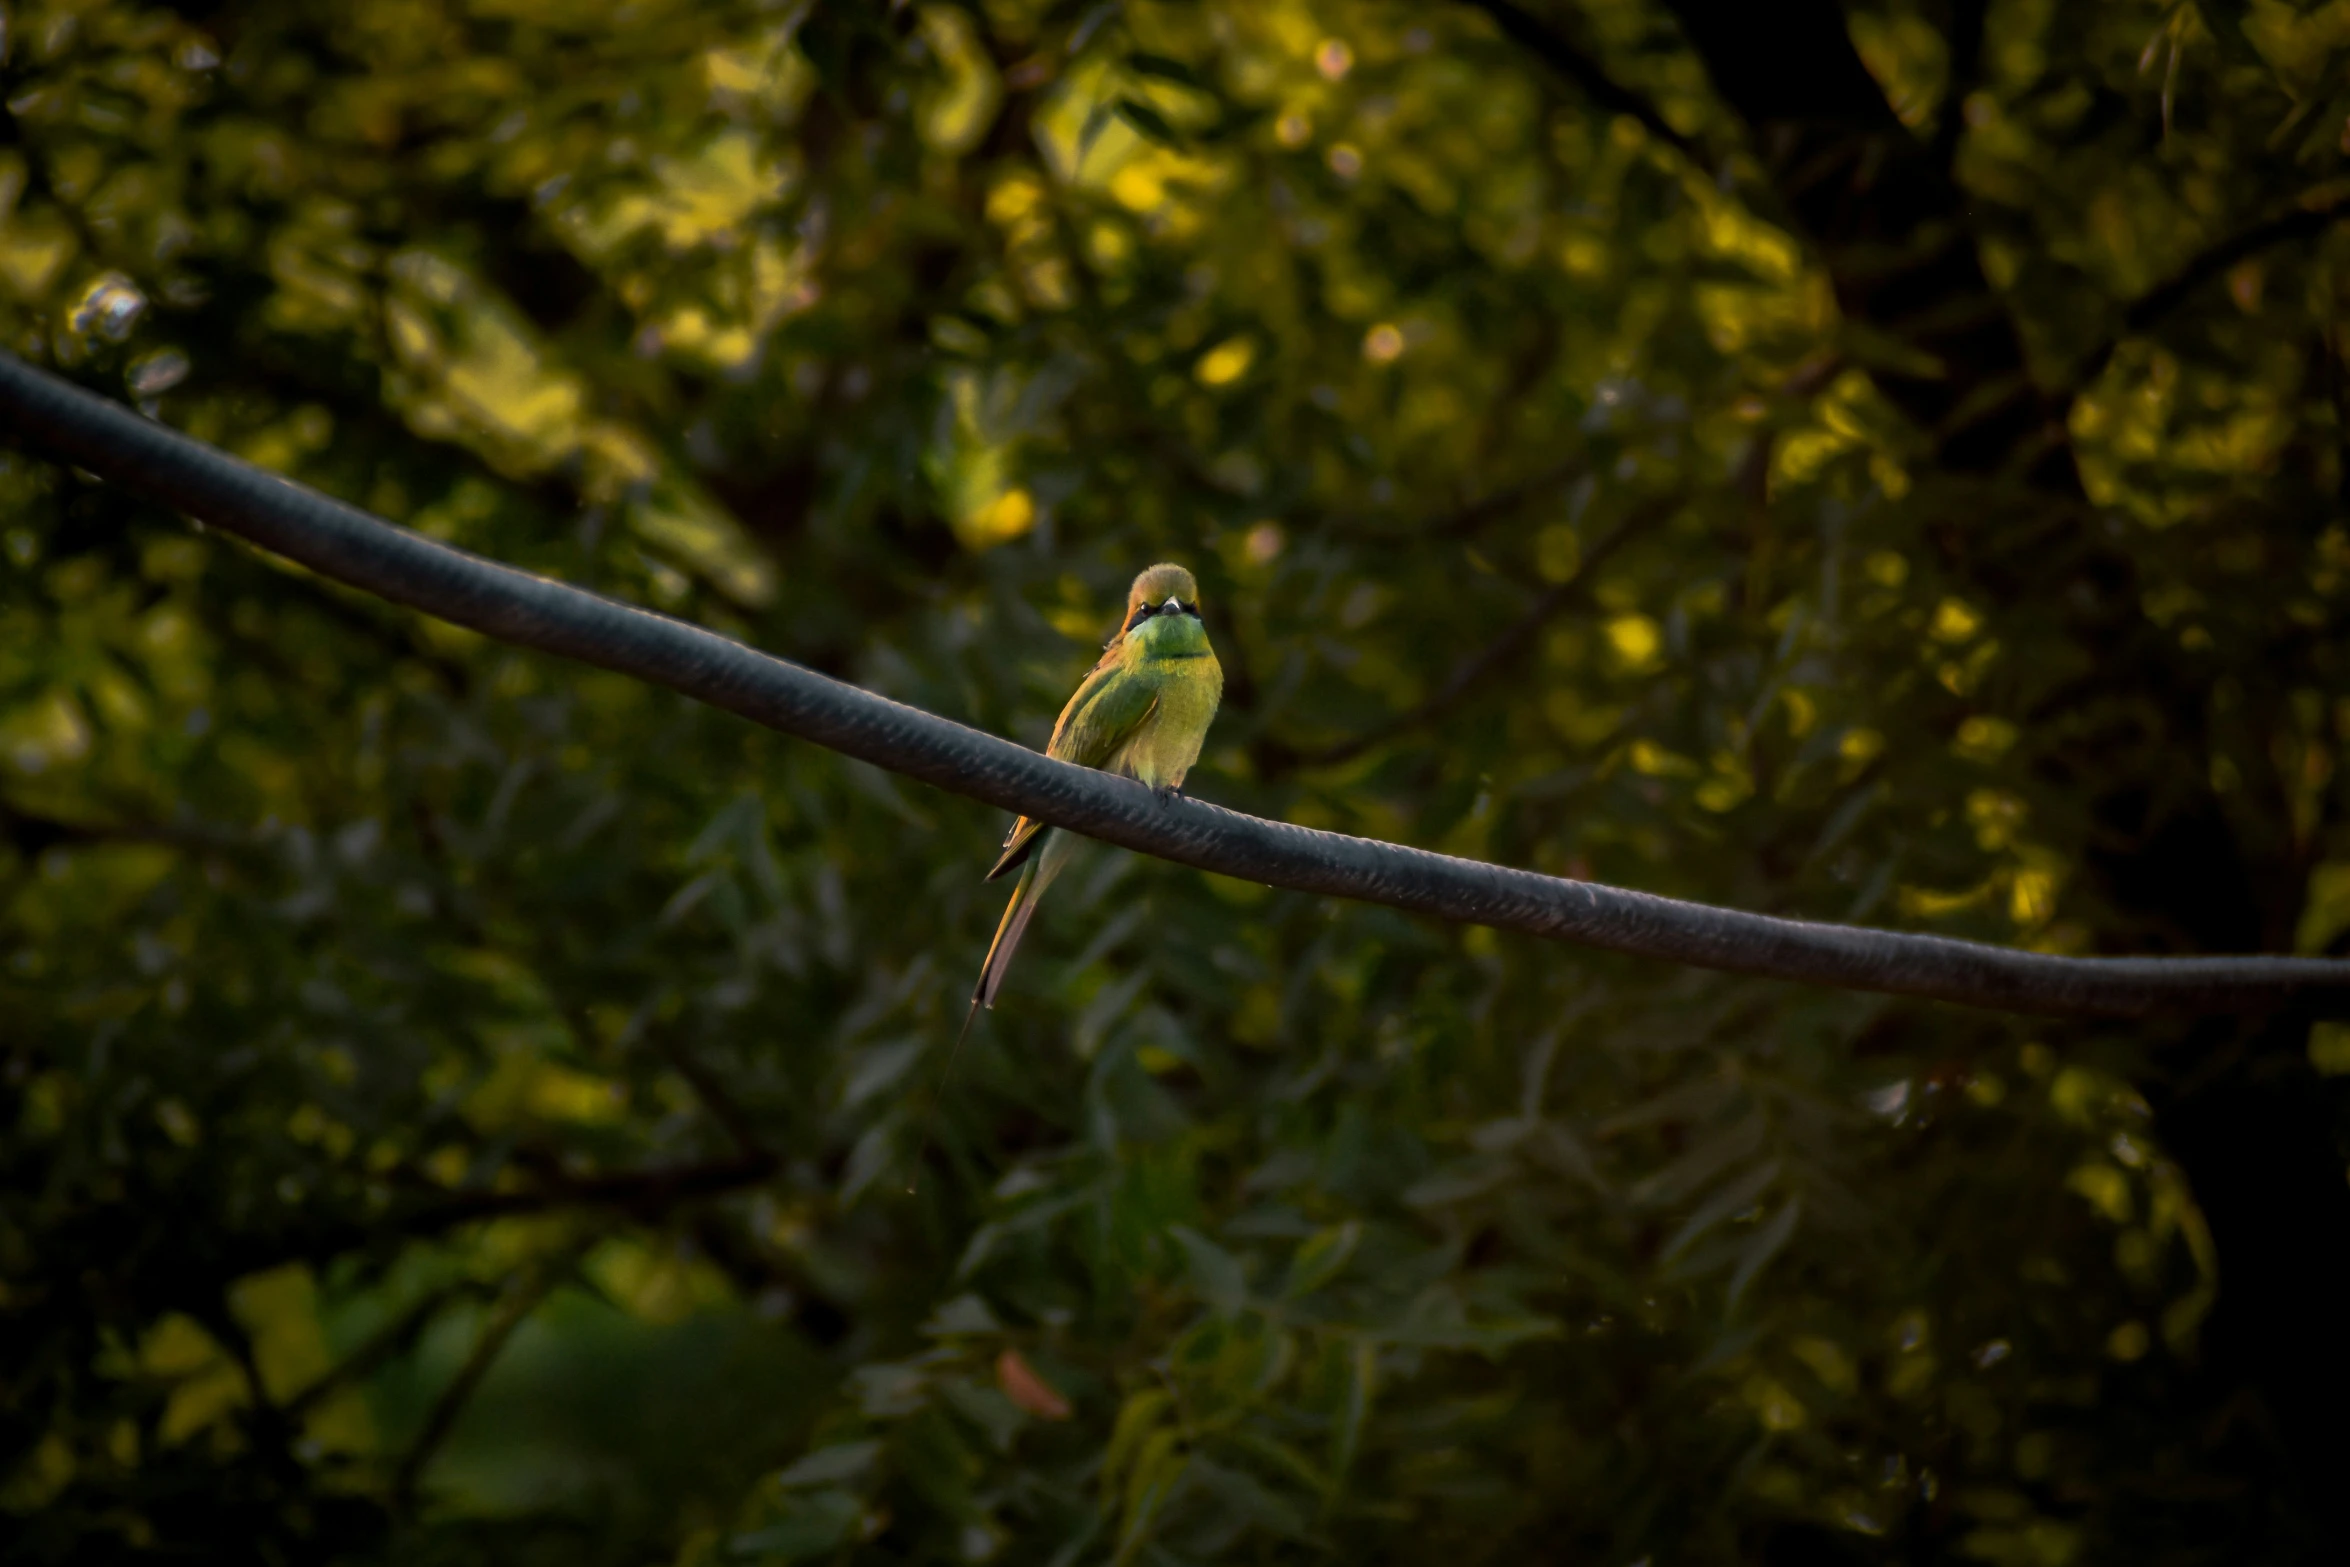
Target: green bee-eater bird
(1143,712)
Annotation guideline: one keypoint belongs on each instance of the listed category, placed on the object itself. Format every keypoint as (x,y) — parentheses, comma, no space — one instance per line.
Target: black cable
(347,544)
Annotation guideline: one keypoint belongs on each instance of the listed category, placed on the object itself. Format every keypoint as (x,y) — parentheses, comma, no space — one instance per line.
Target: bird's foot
(1168,793)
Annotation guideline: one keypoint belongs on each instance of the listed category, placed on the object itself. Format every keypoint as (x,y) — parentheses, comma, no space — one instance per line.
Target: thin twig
(2150,308)
(521,1300)
(1965,46)
(1471,519)
(380,1346)
(31,832)
(632,1191)
(1473,670)
(1531,34)
(723,1107)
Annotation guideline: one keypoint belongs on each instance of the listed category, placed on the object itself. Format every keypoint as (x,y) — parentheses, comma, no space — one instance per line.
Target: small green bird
(1142,712)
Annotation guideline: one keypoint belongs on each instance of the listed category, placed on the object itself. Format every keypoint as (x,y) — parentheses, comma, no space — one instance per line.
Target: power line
(351,546)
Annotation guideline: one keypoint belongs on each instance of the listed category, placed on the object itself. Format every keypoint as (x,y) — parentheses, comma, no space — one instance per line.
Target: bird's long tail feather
(1036,875)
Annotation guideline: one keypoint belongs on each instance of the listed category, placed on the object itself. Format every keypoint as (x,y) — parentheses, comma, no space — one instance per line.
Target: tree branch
(1471,519)
(1473,670)
(1891,227)
(1967,21)
(523,1299)
(723,1107)
(2148,310)
(31,833)
(627,1191)
(394,1338)
(349,545)
(1553,49)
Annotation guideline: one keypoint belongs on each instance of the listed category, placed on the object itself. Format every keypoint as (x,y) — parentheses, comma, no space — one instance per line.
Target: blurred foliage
(457,1107)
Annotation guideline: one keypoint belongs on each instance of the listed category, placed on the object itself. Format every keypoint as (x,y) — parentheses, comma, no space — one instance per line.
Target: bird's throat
(1181,637)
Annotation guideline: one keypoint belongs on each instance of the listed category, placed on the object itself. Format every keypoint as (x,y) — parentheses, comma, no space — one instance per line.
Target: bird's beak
(1172,605)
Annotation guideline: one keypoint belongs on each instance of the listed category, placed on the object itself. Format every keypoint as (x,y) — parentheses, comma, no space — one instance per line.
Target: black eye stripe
(1143,612)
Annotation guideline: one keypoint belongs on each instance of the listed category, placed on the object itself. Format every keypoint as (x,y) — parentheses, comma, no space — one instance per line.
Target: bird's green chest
(1188,688)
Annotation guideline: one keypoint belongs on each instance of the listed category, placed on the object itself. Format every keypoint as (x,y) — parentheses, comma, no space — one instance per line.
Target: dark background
(1881,464)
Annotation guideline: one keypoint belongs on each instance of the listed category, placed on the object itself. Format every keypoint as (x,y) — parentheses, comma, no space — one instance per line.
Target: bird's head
(1163,604)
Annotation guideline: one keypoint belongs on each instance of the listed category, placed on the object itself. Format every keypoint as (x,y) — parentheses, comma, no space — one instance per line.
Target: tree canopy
(1880,463)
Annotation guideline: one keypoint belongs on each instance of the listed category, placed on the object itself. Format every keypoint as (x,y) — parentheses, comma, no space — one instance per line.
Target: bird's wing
(1107,709)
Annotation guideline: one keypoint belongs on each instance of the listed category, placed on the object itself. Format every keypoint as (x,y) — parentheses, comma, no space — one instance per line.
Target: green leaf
(1763,1245)
(1283,1457)
(997,1417)
(1161,66)
(874,1153)
(1320,1258)
(1158,1465)
(962,1316)
(880,1067)
(1740,1194)
(812,1526)
(1713,1154)
(827,1465)
(1137,1418)
(729,829)
(688,897)
(1687,1102)
(1097,120)
(1246,1501)
(1215,1272)
(1148,122)
(1358,1387)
